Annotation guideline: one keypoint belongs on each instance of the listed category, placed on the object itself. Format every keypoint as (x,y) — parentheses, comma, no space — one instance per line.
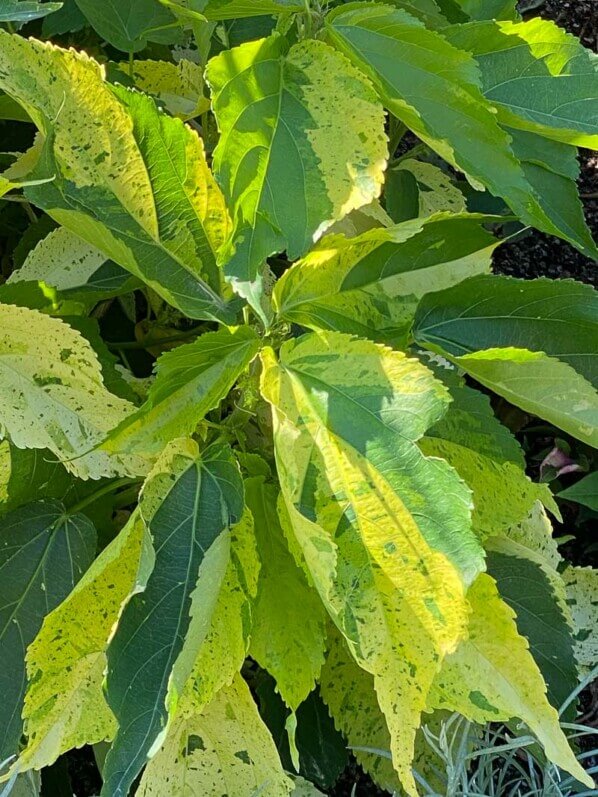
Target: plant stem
(396,137)
(148,344)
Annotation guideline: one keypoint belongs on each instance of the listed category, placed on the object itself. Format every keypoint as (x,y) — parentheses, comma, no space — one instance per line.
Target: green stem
(10,27)
(419,148)
(396,137)
(105,490)
(131,65)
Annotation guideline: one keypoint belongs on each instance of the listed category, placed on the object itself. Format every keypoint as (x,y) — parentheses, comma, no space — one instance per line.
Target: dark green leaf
(43,553)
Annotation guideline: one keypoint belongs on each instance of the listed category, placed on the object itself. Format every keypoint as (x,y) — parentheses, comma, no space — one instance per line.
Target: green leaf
(360,284)
(584,492)
(488,459)
(190,381)
(285,170)
(493,677)
(73,267)
(215,10)
(428,11)
(129,26)
(539,77)
(27,471)
(540,385)
(128,179)
(489,9)
(65,705)
(53,395)
(67,19)
(528,590)
(25,10)
(187,502)
(346,415)
(582,598)
(349,693)
(288,635)
(226,749)
(43,553)
(552,169)
(433,88)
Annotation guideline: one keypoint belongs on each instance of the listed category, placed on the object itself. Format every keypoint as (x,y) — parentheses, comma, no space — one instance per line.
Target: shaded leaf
(187,502)
(25,10)
(129,26)
(43,553)
(584,492)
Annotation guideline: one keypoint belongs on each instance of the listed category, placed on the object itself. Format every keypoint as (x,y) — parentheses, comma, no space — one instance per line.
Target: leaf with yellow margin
(346,415)
(492,676)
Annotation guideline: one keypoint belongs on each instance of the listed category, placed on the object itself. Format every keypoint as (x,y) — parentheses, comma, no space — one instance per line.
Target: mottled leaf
(288,635)
(360,285)
(493,677)
(53,395)
(187,502)
(433,88)
(65,705)
(582,598)
(280,160)
(126,178)
(225,749)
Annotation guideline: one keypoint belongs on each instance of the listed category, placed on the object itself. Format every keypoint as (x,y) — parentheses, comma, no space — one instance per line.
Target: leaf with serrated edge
(433,88)
(187,502)
(128,179)
(53,395)
(493,677)
(190,381)
(346,417)
(285,170)
(538,76)
(357,285)
(65,705)
(225,749)
(288,634)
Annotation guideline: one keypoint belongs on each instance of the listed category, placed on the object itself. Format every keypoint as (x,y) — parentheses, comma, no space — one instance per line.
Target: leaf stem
(148,343)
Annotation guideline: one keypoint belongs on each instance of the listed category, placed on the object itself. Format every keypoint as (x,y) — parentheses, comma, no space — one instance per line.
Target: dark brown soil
(538,254)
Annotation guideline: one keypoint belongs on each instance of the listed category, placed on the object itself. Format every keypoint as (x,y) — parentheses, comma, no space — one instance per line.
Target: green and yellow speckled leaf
(367,285)
(286,163)
(65,705)
(350,696)
(190,380)
(221,616)
(73,267)
(488,459)
(433,87)
(179,87)
(44,551)
(346,415)
(288,633)
(492,676)
(539,77)
(129,180)
(582,597)
(187,502)
(225,749)
(53,394)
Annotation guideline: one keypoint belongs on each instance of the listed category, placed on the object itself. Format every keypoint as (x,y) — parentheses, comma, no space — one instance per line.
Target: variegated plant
(312,484)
